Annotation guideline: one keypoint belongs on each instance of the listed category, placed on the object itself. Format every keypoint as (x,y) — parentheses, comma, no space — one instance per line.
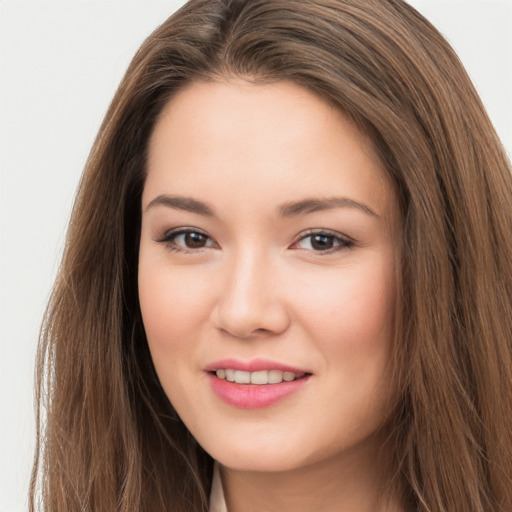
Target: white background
(60,63)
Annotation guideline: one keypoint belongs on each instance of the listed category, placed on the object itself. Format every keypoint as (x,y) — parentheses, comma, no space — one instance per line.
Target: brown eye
(194,240)
(326,242)
(187,239)
(322,242)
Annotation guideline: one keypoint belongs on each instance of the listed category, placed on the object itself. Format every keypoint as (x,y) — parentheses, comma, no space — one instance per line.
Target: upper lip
(254,365)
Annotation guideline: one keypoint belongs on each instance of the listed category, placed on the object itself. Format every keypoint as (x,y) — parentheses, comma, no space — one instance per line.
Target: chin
(263,455)
(264,463)
(266,455)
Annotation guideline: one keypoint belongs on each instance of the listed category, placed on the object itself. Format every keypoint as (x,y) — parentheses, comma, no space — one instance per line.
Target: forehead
(261,140)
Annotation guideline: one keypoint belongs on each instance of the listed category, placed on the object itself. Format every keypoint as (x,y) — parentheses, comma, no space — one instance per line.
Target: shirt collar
(217,501)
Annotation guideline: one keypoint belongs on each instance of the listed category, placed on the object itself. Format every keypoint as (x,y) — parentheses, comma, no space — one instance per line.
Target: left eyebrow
(310,205)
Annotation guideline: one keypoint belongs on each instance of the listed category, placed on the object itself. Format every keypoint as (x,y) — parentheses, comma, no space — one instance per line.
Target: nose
(250,300)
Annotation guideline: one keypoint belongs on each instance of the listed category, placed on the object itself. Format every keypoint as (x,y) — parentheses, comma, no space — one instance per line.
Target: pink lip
(253,396)
(256,365)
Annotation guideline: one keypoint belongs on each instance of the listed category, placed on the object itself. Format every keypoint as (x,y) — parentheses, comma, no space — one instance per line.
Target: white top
(217,501)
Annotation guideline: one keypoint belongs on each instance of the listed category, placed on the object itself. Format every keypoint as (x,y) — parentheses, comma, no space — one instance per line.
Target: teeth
(242,377)
(275,376)
(260,378)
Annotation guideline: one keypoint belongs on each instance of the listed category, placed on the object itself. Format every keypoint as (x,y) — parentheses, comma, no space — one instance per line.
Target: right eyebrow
(181,203)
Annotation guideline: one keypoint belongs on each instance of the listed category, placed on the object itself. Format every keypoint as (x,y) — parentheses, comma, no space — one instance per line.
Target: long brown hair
(109,439)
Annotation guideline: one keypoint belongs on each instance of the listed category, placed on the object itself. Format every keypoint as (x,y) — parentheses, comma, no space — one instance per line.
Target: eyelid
(168,239)
(346,242)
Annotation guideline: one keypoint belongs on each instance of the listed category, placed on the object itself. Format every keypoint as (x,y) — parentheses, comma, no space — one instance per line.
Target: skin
(257,285)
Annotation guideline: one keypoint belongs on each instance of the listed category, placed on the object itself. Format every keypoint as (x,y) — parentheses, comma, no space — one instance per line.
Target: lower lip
(253,396)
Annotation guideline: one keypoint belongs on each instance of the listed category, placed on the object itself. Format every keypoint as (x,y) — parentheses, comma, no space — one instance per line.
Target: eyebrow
(310,205)
(291,209)
(182,203)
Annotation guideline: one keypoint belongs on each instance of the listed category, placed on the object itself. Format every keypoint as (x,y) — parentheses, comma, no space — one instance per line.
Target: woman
(289,254)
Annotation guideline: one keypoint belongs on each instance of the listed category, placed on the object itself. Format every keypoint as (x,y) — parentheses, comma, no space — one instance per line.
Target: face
(266,274)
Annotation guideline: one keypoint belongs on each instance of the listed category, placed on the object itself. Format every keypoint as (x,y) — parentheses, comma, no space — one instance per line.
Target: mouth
(259,378)
(255,384)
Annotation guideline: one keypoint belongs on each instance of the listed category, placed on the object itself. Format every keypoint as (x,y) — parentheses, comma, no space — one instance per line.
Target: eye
(186,239)
(323,241)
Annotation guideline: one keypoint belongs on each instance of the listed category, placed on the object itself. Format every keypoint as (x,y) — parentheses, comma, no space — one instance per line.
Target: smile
(260,378)
(255,384)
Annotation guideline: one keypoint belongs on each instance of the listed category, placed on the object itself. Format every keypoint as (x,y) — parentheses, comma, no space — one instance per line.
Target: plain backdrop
(60,63)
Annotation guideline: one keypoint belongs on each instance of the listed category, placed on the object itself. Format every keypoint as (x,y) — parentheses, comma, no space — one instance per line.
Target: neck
(348,482)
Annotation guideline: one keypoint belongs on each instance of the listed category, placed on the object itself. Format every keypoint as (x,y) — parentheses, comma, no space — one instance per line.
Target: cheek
(171,313)
(352,323)
(171,309)
(351,313)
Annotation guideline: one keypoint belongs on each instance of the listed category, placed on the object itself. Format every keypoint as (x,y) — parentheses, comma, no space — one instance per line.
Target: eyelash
(343,242)
(169,240)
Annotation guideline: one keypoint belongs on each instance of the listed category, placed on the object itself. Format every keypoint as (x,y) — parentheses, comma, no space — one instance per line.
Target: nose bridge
(249,301)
